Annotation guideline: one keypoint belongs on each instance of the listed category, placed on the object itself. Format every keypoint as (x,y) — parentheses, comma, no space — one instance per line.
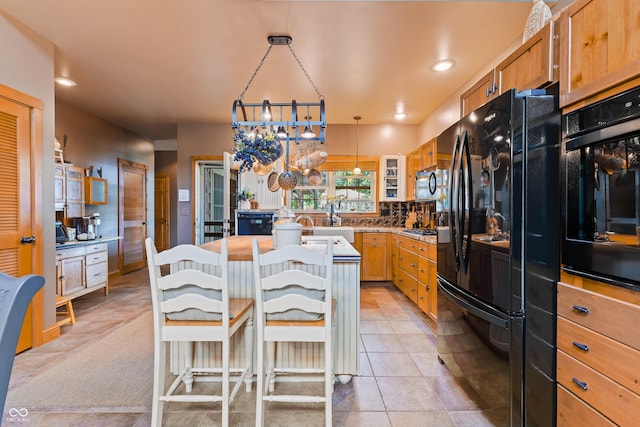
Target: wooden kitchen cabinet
(374,257)
(598,351)
(478,94)
(81,269)
(415,272)
(424,157)
(70,266)
(60,193)
(532,65)
(429,154)
(413,164)
(96,191)
(427,279)
(407,273)
(599,47)
(69,192)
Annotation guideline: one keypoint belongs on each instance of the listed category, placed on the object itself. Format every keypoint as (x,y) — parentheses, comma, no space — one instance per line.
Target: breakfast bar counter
(346,291)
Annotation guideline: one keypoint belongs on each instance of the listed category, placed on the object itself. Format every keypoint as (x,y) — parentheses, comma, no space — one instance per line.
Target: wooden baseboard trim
(51,333)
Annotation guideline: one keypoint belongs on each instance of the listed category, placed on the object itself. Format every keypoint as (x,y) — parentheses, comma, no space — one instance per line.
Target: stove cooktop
(421,231)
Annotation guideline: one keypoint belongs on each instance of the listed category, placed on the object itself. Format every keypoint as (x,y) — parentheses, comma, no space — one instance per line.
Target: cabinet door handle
(580,384)
(581,309)
(27,240)
(581,346)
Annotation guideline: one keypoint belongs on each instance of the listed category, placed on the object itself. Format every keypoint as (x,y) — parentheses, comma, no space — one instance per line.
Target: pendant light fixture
(357,170)
(308,129)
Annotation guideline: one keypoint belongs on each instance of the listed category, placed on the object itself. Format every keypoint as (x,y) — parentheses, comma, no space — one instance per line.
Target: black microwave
(601,180)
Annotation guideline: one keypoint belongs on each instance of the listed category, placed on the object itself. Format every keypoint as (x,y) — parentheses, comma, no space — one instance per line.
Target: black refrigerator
(498,260)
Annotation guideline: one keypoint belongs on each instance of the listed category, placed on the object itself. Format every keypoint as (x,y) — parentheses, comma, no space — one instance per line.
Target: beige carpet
(115,371)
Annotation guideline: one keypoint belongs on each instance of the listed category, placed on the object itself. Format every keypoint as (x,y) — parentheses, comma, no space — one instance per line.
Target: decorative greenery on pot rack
(252,146)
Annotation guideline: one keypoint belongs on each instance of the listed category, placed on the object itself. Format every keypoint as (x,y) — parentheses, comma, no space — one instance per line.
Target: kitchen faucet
(307,217)
(505,232)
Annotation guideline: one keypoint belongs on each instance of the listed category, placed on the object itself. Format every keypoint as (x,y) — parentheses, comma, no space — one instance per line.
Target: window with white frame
(347,192)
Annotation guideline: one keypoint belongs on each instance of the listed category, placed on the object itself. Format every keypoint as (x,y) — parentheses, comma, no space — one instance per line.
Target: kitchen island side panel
(346,291)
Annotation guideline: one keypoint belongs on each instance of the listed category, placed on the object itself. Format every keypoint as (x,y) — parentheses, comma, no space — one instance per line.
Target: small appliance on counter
(62,235)
(86,227)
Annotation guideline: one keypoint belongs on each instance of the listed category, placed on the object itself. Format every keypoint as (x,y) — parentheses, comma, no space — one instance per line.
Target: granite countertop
(74,243)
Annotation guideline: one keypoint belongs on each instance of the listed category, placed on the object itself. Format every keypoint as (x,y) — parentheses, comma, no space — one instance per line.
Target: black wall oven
(601,209)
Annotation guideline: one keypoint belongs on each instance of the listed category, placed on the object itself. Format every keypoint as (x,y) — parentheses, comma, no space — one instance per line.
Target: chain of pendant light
(262,62)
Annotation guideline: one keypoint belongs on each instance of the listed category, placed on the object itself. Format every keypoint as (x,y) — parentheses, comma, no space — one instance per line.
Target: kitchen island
(346,291)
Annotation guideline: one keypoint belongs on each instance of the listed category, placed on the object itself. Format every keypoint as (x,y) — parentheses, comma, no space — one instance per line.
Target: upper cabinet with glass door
(392,179)
(96,191)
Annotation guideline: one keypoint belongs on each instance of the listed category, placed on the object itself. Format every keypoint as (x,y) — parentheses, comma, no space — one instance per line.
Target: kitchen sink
(346,232)
(491,239)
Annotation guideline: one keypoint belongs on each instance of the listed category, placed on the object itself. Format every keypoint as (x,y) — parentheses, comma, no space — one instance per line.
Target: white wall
(27,66)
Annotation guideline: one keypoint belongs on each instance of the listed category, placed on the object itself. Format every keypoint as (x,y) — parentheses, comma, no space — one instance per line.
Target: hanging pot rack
(261,114)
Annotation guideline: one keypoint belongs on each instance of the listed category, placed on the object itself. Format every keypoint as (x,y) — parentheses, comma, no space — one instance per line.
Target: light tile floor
(401,382)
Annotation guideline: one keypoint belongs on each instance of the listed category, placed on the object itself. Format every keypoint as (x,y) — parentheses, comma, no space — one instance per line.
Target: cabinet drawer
(408,243)
(433,252)
(70,252)
(96,247)
(423,298)
(573,412)
(408,285)
(97,257)
(611,399)
(374,238)
(423,249)
(96,274)
(408,261)
(423,270)
(598,351)
(614,318)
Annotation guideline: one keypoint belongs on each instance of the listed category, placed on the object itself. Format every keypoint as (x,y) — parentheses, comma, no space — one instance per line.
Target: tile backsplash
(394,214)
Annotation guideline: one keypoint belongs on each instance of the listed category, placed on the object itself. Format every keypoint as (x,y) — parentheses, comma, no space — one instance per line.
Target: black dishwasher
(254,223)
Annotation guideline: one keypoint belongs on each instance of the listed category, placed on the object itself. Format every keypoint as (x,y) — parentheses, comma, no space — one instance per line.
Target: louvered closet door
(15,198)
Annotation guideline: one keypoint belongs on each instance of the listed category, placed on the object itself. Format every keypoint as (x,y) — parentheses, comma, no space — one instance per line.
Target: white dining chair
(293,304)
(191,304)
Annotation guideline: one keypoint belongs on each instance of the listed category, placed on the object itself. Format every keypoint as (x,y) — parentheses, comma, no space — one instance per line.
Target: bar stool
(191,304)
(293,304)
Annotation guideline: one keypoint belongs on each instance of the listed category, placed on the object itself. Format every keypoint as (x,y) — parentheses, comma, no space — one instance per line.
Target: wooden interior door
(19,190)
(132,214)
(161,212)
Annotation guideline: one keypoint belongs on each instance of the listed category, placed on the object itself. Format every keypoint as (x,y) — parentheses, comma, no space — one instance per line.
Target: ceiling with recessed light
(150,65)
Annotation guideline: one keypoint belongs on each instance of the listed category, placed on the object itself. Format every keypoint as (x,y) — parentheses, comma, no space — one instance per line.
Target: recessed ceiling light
(442,65)
(63,81)
(399,115)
